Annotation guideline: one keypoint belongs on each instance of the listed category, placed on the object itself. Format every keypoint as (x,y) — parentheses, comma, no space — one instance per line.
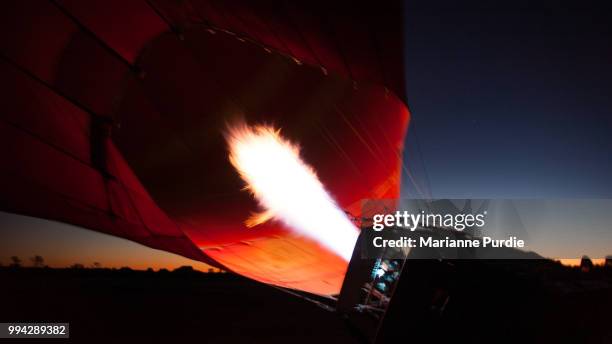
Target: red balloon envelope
(113,114)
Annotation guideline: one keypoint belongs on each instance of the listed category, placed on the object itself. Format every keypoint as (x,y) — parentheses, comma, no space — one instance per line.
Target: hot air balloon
(115,117)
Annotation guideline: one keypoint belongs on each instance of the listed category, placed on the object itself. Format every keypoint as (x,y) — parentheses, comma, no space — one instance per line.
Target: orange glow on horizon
(62,245)
(576,261)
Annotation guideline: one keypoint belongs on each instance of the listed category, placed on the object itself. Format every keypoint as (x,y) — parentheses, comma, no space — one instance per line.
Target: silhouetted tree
(586,264)
(38,261)
(96,265)
(184,271)
(16,262)
(77,266)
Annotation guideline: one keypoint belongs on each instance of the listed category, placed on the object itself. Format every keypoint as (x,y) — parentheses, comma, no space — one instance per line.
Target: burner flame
(287,188)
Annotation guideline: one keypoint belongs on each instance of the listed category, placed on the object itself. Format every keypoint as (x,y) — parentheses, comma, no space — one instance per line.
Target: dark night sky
(511,101)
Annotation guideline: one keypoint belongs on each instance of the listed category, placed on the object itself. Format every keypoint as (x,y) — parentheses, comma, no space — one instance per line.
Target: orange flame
(287,188)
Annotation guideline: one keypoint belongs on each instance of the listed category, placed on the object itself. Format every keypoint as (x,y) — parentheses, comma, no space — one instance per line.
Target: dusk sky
(506,103)
(64,245)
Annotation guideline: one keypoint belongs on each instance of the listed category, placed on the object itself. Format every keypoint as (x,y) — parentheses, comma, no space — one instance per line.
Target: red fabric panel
(31,106)
(233,19)
(50,45)
(49,174)
(125,26)
(280,24)
(48,167)
(180,14)
(90,74)
(355,43)
(258,24)
(389,44)
(20,195)
(310,25)
(209,13)
(363,41)
(35,33)
(133,202)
